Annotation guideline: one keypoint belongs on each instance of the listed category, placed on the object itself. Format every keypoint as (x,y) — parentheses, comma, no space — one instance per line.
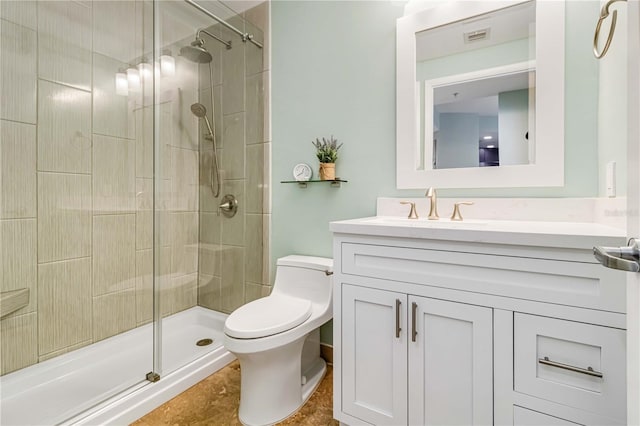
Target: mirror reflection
(476,84)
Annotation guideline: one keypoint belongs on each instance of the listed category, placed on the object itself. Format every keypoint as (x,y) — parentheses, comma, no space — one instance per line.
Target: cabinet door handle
(414,332)
(398,329)
(588,371)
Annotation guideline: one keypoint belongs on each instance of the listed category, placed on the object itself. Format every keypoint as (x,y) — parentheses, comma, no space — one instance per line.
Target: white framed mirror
(480,95)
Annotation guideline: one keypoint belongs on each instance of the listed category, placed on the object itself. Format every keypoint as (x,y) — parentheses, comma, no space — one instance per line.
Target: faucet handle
(456,210)
(412,213)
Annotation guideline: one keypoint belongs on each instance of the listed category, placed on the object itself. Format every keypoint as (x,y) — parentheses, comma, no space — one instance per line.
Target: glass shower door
(76,199)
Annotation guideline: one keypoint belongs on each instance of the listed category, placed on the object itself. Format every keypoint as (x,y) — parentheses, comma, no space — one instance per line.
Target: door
(633,209)
(450,363)
(374,355)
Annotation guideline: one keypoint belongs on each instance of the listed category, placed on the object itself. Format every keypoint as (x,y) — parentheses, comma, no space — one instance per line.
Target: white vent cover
(477,35)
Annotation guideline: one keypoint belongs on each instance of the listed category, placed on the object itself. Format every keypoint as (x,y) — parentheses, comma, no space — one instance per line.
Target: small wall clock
(302,172)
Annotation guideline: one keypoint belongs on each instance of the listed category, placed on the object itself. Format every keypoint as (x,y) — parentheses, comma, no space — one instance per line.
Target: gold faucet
(412,213)
(433,198)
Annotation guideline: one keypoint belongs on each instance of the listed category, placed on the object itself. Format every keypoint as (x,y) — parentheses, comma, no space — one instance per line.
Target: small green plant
(327,150)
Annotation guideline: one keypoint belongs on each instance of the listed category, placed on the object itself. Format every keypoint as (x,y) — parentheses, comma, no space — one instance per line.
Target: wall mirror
(480,95)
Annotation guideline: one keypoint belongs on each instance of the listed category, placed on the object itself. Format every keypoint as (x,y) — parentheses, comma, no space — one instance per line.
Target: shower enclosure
(123,124)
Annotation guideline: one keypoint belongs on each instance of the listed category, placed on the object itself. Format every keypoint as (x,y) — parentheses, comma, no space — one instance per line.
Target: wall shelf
(335,183)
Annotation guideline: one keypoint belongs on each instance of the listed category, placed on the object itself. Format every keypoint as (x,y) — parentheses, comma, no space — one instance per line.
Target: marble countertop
(578,235)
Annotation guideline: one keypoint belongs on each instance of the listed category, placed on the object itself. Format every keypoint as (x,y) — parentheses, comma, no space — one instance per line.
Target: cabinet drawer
(586,285)
(574,364)
(525,417)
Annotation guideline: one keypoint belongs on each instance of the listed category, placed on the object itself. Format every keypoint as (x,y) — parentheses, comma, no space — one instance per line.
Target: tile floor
(214,401)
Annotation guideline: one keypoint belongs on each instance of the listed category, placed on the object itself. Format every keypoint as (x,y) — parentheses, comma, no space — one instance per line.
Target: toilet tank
(306,277)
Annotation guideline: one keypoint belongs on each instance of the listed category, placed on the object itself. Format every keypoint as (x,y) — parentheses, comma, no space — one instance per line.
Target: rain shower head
(199,110)
(196,52)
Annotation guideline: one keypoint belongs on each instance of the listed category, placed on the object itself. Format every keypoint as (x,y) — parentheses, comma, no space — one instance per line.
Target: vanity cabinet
(402,355)
(466,328)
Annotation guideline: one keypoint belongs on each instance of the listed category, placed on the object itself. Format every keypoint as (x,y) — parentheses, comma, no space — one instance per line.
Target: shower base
(83,381)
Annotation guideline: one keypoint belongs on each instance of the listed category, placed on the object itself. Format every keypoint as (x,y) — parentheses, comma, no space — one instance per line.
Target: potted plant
(327,153)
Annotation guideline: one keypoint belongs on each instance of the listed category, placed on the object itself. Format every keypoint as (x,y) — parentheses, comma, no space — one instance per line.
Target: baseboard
(326,352)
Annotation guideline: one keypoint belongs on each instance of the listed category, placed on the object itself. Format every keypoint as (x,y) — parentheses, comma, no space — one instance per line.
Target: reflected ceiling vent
(477,35)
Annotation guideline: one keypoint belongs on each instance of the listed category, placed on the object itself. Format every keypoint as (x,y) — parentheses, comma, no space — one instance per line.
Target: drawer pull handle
(398,329)
(414,332)
(588,371)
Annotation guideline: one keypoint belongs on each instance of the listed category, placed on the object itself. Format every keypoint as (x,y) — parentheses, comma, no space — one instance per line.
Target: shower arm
(245,36)
(213,36)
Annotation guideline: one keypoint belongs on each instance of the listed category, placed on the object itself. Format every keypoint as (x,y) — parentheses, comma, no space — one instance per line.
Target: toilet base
(270,395)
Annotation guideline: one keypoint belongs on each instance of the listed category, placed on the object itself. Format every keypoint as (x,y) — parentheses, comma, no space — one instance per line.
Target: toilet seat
(267,316)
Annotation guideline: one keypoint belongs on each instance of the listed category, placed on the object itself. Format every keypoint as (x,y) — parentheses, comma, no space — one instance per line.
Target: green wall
(333,73)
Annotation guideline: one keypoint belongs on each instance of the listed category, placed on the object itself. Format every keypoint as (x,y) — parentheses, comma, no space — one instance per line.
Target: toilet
(277,340)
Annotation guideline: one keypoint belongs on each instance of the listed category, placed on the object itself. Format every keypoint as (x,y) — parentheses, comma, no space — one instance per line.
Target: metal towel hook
(604,13)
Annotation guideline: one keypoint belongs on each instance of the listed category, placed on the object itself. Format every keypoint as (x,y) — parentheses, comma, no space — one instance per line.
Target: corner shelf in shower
(335,183)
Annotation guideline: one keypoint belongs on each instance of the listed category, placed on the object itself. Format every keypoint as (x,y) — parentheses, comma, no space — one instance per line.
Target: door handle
(622,258)
(398,329)
(414,332)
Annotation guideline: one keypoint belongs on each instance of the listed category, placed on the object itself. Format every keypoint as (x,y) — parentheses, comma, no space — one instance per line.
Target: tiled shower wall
(234,252)
(76,169)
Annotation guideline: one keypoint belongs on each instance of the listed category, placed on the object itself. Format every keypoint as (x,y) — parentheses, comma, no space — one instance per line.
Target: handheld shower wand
(201,112)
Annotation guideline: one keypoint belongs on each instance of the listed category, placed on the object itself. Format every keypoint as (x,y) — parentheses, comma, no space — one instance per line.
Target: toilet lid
(267,316)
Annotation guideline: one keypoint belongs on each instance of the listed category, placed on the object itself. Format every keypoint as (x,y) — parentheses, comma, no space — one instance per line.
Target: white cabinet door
(450,363)
(374,355)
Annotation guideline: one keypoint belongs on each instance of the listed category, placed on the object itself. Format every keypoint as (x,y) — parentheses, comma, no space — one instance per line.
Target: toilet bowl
(277,340)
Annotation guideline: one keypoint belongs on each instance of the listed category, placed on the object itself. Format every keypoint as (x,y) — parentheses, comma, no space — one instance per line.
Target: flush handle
(622,258)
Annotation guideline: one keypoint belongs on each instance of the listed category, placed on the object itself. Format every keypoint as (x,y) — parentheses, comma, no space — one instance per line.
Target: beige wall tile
(232,284)
(184,243)
(112,113)
(64,129)
(255,109)
(267,277)
(210,259)
(114,262)
(63,351)
(64,42)
(183,294)
(233,72)
(255,176)
(114,27)
(20,12)
(64,304)
(259,16)
(17,170)
(255,291)
(184,179)
(210,227)
(254,62)
(144,214)
(18,254)
(144,286)
(253,259)
(233,228)
(267,105)
(144,142)
(114,180)
(267,179)
(17,72)
(19,343)
(233,152)
(209,291)
(113,314)
(64,216)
